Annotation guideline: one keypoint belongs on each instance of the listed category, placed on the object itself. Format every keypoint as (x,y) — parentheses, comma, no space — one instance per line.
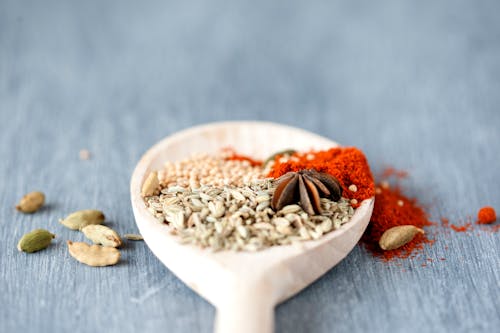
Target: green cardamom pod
(396,237)
(34,241)
(31,202)
(83,218)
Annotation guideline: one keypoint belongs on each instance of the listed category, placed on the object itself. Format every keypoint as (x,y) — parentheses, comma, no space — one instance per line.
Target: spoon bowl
(244,286)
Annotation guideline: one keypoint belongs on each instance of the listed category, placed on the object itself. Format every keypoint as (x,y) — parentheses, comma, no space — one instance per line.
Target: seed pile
(241,218)
(204,169)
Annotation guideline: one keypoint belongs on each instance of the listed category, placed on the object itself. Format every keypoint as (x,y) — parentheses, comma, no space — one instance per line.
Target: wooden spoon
(244,286)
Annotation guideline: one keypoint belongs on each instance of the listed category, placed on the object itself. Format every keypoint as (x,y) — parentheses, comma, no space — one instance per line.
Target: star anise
(306,186)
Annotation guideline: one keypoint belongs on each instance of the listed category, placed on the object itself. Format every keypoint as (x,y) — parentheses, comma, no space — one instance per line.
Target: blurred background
(415,85)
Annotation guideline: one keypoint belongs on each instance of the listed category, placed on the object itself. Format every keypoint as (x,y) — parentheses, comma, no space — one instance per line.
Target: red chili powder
(486,215)
(233,156)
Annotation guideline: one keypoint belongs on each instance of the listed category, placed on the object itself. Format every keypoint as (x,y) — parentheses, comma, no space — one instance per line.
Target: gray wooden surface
(414,84)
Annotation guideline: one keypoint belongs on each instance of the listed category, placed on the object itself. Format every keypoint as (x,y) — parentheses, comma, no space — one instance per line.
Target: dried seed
(217,209)
(304,234)
(396,237)
(243,231)
(35,240)
(205,197)
(197,203)
(83,218)
(31,202)
(263,205)
(84,154)
(93,255)
(238,196)
(353,188)
(263,198)
(100,234)
(176,189)
(218,227)
(315,234)
(211,219)
(326,225)
(285,230)
(290,209)
(133,237)
(171,201)
(150,184)
(281,222)
(176,218)
(287,152)
(263,226)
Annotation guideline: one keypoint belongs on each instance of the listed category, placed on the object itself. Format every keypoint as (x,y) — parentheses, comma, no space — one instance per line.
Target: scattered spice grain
(133,237)
(84,155)
(461,228)
(486,215)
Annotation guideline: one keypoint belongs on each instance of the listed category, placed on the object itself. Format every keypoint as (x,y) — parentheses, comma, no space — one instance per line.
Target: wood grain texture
(413,85)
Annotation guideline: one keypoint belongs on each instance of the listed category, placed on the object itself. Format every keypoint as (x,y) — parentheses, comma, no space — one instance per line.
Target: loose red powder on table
(461,228)
(393,172)
(391,209)
(486,215)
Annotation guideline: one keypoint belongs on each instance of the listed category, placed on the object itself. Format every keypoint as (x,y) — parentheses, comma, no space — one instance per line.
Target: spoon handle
(245,310)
